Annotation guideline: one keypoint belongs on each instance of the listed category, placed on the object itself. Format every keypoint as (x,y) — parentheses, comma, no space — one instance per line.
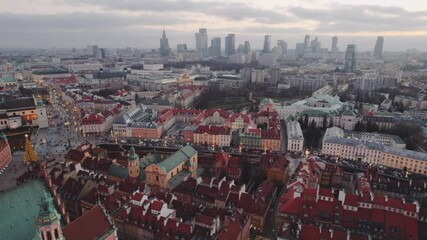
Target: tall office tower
(241,48)
(334,44)
(284,46)
(315,45)
(350,58)
(202,41)
(164,45)
(181,47)
(306,41)
(215,49)
(247,49)
(230,44)
(95,50)
(378,50)
(267,44)
(103,53)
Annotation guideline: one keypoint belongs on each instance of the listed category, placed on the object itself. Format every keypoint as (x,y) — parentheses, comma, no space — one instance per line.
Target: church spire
(133,163)
(30,155)
(48,220)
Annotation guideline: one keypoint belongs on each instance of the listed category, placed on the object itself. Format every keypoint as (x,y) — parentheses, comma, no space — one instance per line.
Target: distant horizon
(291,46)
(139,24)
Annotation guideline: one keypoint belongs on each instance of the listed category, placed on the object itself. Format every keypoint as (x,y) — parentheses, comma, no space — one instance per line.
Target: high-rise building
(247,49)
(350,58)
(378,50)
(230,47)
(202,41)
(181,47)
(267,44)
(103,53)
(334,44)
(315,45)
(215,49)
(306,41)
(164,45)
(241,48)
(95,50)
(284,46)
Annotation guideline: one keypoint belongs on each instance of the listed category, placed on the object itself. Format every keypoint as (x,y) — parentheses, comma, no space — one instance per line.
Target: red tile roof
(157,205)
(204,219)
(213,130)
(93,119)
(84,227)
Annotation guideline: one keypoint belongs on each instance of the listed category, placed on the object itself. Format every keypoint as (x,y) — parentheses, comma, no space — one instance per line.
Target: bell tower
(48,221)
(133,164)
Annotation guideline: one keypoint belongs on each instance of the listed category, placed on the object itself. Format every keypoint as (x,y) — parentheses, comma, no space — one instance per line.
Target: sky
(139,23)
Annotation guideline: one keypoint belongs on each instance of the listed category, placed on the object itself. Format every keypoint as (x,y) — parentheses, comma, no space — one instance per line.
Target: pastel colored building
(168,173)
(5,153)
(212,135)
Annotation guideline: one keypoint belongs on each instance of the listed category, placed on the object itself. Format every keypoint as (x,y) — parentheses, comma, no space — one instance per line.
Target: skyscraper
(378,50)
(181,47)
(267,44)
(247,48)
(95,50)
(164,45)
(350,58)
(315,45)
(334,44)
(202,41)
(215,49)
(306,41)
(284,46)
(230,44)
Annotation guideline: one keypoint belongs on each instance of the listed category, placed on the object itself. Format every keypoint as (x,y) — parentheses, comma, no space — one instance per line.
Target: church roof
(19,209)
(177,158)
(118,170)
(93,224)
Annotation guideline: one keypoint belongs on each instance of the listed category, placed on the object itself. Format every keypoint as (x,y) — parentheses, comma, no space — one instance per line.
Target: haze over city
(213,120)
(62,23)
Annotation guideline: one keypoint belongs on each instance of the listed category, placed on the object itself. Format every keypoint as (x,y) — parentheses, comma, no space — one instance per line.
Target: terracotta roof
(83,228)
(213,130)
(204,219)
(157,206)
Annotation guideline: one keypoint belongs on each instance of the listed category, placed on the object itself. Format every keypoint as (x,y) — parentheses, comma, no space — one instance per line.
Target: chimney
(49,181)
(62,208)
(67,218)
(58,200)
(332,233)
(386,198)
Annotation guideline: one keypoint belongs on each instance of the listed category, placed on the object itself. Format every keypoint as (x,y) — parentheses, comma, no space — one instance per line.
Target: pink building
(5,154)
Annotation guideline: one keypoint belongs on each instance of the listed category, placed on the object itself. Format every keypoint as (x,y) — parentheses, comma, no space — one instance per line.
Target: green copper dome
(47,214)
(133,156)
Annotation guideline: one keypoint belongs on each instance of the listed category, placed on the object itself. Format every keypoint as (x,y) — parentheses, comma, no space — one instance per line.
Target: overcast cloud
(138,23)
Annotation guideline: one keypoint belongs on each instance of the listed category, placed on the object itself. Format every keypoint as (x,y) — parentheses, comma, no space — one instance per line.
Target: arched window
(49,236)
(56,233)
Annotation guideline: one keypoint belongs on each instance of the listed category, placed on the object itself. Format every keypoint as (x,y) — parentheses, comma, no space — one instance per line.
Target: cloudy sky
(138,23)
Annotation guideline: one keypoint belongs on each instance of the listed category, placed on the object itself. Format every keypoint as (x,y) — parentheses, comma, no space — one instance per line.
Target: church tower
(133,164)
(48,221)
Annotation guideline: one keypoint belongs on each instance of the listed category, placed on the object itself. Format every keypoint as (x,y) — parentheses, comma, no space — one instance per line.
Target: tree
(305,120)
(325,122)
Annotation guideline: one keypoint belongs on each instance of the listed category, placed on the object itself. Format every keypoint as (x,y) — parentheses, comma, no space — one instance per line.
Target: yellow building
(168,173)
(133,164)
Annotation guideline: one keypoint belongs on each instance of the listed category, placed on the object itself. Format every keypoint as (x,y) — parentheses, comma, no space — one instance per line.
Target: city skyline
(49,23)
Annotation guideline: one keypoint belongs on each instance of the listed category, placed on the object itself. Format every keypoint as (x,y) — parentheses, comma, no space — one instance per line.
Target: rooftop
(19,209)
(177,158)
